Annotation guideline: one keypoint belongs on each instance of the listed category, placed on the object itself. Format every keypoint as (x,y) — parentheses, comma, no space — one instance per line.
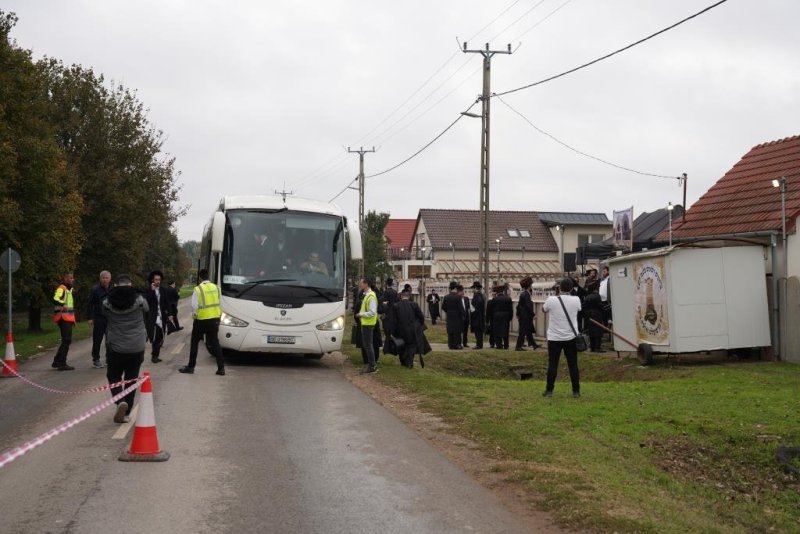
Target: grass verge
(26,344)
(668,448)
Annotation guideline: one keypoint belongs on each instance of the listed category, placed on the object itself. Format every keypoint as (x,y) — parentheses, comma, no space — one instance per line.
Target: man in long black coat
(465,313)
(525,315)
(388,299)
(489,312)
(502,313)
(478,319)
(452,306)
(407,322)
(433,305)
(156,321)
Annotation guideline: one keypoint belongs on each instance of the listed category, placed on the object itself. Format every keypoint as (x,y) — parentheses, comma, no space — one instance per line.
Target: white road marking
(179,348)
(124,428)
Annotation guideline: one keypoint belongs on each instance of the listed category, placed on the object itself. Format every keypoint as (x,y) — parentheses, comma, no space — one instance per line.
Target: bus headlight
(333,324)
(230,320)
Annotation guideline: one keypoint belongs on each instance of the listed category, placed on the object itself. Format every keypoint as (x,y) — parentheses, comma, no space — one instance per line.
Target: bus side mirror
(354,235)
(217,231)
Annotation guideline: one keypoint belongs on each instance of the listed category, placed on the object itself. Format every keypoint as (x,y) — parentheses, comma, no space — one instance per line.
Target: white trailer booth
(685,299)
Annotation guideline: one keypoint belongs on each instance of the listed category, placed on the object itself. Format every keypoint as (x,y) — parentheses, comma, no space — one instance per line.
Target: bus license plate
(282,340)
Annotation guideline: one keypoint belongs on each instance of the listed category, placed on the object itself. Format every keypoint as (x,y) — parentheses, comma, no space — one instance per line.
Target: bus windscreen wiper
(255,283)
(329,295)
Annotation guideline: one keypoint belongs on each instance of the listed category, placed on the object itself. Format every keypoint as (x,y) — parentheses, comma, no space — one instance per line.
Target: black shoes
(221,372)
(65,367)
(521,349)
(576,394)
(155,359)
(186,370)
(368,371)
(547,393)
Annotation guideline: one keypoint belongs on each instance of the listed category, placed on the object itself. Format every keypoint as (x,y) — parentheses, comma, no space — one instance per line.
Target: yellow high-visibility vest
(63,298)
(368,321)
(208,305)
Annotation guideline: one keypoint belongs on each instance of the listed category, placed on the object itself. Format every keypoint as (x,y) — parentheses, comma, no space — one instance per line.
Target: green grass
(186,290)
(668,448)
(26,344)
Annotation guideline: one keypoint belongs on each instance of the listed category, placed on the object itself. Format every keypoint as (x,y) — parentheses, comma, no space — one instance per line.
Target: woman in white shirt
(561,336)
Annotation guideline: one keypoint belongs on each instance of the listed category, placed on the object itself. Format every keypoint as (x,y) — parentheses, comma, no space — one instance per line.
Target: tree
(373,242)
(41,207)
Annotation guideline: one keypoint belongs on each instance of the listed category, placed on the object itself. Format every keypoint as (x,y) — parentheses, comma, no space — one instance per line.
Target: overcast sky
(254,94)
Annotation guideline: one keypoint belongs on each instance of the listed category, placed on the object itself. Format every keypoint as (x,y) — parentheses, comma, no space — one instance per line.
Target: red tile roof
(400,232)
(744,200)
(462,227)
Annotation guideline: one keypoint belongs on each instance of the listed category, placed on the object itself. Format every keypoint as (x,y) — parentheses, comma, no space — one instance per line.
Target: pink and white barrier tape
(12,454)
(95,389)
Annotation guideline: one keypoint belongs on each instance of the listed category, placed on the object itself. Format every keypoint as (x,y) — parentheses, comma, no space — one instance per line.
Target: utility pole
(483,254)
(361,151)
(284,193)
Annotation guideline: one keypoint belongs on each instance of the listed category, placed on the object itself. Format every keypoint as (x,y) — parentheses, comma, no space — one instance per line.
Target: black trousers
(478,338)
(594,342)
(454,340)
(501,342)
(523,337)
(464,335)
(98,333)
(158,341)
(368,346)
(407,356)
(123,365)
(208,328)
(66,340)
(554,349)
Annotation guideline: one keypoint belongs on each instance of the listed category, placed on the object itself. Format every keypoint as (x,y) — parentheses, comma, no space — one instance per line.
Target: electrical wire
(540,2)
(556,10)
(562,143)
(418,152)
(343,190)
(640,41)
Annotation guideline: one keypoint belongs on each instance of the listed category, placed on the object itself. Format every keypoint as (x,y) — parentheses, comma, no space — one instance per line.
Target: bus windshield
(283,256)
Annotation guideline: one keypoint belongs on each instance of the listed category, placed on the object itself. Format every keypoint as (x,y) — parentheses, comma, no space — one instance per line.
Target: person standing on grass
(407,324)
(465,313)
(593,310)
(125,311)
(525,315)
(433,305)
(502,313)
(562,310)
(64,317)
(206,310)
(478,318)
(368,318)
(96,318)
(452,304)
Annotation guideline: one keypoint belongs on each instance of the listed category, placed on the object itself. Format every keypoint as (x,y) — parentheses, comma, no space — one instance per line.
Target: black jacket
(157,306)
(478,319)
(451,305)
(502,313)
(96,301)
(407,321)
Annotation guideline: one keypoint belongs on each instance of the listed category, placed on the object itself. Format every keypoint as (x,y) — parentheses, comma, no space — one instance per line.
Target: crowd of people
(574,309)
(128,318)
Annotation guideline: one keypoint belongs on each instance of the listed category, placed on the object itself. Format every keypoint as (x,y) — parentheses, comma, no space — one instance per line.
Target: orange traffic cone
(11,357)
(144,447)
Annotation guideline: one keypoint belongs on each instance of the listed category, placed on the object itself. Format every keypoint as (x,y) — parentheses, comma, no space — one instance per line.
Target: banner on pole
(623,229)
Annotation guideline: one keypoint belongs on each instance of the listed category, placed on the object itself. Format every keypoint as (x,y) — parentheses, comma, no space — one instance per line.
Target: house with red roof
(752,201)
(399,234)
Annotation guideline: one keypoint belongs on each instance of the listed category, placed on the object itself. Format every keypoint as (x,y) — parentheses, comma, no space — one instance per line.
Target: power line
(562,143)
(640,41)
(556,10)
(418,152)
(518,19)
(340,193)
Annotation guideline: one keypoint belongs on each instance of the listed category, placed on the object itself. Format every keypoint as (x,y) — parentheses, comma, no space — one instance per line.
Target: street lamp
(453,248)
(423,262)
(561,228)
(523,255)
(669,210)
(403,259)
(781,183)
(498,258)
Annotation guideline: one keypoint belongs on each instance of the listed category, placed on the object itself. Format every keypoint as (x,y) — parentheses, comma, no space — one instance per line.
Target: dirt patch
(734,474)
(491,471)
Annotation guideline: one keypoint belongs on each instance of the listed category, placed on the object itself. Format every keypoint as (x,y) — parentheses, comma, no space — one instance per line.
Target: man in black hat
(388,299)
(433,305)
(465,314)
(478,318)
(452,306)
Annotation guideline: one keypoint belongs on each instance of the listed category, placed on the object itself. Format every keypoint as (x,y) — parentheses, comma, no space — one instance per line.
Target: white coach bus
(280,264)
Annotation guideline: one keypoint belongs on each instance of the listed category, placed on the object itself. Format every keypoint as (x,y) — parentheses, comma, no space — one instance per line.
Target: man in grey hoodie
(126,311)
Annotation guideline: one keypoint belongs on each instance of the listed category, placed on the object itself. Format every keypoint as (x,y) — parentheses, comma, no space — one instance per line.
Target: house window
(585,239)
(524,233)
(512,232)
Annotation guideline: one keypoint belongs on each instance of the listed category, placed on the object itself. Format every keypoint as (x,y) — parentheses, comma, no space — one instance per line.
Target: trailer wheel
(645,353)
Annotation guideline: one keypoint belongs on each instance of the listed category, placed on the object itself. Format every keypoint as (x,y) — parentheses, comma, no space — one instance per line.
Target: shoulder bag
(581,340)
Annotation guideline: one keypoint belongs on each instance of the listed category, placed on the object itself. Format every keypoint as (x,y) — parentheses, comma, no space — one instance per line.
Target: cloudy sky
(253,95)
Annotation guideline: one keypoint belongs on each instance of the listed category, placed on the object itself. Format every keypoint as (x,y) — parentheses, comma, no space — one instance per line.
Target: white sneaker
(120,416)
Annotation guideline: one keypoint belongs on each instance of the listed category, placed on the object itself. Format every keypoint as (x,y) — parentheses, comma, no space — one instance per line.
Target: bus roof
(275,202)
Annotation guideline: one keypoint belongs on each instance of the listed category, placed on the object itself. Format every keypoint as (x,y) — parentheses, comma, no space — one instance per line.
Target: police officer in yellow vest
(368,317)
(206,311)
(64,317)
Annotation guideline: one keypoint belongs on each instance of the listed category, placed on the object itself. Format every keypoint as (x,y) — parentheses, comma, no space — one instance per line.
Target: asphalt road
(281,445)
